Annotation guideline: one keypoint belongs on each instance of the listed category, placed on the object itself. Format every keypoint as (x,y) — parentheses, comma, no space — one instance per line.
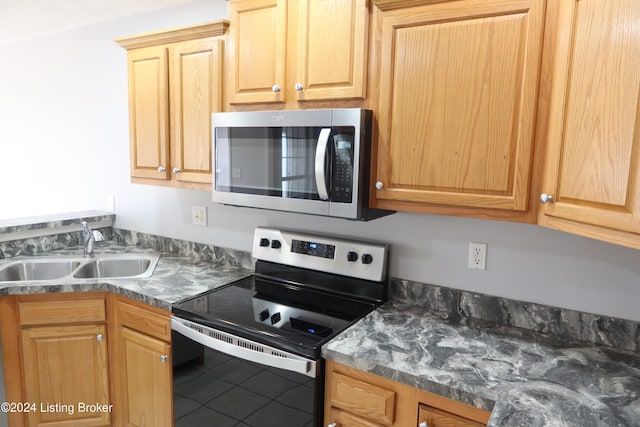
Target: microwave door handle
(321,156)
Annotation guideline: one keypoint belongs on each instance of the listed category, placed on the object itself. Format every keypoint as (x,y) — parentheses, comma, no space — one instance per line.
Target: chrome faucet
(89,238)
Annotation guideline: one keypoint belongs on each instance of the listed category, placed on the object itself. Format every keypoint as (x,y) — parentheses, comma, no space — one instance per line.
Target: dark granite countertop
(175,278)
(525,379)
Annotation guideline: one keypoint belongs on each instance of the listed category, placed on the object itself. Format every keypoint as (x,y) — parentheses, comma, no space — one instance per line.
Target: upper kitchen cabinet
(456,111)
(285,52)
(592,121)
(175,83)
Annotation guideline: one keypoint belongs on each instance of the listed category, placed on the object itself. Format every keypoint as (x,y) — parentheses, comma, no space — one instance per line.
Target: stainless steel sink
(76,267)
(122,266)
(42,269)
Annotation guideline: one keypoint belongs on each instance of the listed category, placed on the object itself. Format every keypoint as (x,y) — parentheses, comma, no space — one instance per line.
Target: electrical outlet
(477,256)
(199,215)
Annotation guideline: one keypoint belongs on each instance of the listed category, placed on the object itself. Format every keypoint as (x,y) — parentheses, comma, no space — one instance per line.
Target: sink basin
(126,265)
(76,267)
(44,269)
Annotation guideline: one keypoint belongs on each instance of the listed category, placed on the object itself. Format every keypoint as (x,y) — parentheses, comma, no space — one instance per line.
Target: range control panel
(338,255)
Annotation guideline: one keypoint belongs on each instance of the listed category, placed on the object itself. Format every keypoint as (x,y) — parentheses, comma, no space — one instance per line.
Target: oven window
(221,390)
(270,161)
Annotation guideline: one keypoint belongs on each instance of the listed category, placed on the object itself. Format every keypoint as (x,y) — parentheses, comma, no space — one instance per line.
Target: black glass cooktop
(278,314)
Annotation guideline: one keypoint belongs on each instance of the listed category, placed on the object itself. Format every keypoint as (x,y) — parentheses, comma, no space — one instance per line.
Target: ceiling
(27,19)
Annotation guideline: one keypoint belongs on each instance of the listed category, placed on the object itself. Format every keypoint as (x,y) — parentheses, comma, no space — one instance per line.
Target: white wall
(64,147)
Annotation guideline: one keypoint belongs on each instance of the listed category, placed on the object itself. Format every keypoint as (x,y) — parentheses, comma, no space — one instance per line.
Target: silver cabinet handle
(333,425)
(176,170)
(423,424)
(299,87)
(99,337)
(164,358)
(379,185)
(161,169)
(546,198)
(275,88)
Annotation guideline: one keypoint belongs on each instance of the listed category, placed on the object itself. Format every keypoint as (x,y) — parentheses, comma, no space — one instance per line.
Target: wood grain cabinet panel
(284,52)
(364,399)
(65,367)
(354,398)
(458,95)
(175,83)
(145,364)
(438,418)
(593,132)
(148,112)
(257,51)
(347,419)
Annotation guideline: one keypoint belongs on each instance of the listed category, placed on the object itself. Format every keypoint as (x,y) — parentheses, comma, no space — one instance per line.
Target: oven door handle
(245,349)
(321,158)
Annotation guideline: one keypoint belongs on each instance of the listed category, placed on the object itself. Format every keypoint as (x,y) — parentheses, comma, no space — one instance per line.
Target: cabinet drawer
(364,399)
(346,419)
(438,418)
(145,321)
(61,312)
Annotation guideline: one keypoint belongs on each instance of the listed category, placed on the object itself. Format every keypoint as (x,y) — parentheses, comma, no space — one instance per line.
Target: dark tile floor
(226,391)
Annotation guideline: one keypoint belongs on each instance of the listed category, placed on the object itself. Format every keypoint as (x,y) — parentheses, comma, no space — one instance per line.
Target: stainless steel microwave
(305,161)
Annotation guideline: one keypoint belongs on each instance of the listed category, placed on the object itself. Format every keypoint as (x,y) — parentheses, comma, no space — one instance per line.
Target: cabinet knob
(176,170)
(379,185)
(161,169)
(99,337)
(423,424)
(164,358)
(275,88)
(546,198)
(299,87)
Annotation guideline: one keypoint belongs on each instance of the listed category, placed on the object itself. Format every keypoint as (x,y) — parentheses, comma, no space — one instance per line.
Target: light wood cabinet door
(147,393)
(195,92)
(434,417)
(284,51)
(149,112)
(257,51)
(458,95)
(65,367)
(333,49)
(593,153)
(175,83)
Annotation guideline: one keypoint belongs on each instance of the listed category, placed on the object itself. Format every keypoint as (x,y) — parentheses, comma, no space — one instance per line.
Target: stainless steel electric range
(266,332)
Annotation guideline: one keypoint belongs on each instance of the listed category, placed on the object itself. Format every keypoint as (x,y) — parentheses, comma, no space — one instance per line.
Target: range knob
(275,244)
(367,259)
(264,242)
(352,256)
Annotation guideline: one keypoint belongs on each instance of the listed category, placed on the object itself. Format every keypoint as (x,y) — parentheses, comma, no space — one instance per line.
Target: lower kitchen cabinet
(65,373)
(87,359)
(354,398)
(59,370)
(145,376)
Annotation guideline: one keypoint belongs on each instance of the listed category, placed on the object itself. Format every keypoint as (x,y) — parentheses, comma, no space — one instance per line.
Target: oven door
(307,162)
(241,382)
